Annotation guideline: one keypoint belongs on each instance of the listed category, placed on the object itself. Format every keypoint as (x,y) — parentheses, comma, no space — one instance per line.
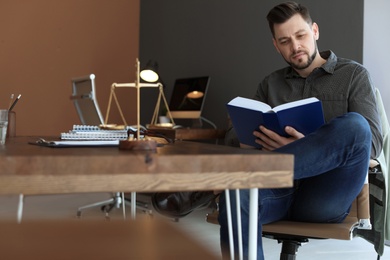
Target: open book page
(263,107)
(250,104)
(295,104)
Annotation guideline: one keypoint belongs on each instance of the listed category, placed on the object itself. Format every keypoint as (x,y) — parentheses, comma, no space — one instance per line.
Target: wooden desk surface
(191,133)
(181,166)
(145,239)
(199,134)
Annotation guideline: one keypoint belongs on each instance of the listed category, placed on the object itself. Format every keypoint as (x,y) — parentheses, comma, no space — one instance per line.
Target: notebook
(86,132)
(74,143)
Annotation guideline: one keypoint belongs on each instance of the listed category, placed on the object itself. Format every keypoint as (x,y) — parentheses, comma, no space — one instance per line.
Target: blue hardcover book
(247,115)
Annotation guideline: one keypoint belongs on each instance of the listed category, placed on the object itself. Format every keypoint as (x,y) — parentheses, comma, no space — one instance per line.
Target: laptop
(188,97)
(84,100)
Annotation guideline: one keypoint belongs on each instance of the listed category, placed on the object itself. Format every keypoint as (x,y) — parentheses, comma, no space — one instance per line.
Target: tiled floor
(65,206)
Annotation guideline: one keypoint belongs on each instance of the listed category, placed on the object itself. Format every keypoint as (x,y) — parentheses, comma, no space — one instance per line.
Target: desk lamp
(149,73)
(136,143)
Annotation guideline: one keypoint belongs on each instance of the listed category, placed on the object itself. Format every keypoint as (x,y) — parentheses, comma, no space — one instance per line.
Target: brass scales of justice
(136,142)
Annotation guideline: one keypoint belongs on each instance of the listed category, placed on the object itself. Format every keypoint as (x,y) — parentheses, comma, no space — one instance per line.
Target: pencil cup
(11,131)
(3,125)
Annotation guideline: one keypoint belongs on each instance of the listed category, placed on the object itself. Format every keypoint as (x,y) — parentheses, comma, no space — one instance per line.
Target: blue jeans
(330,167)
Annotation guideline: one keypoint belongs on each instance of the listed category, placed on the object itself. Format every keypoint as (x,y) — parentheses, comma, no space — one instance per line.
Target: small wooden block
(138,145)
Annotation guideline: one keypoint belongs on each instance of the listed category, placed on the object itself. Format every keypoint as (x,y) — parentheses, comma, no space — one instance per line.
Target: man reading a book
(331,163)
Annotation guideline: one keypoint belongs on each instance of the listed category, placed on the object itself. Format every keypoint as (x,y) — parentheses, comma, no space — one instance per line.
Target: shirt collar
(331,61)
(329,66)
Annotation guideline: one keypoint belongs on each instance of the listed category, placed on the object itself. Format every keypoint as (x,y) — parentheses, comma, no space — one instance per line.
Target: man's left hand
(269,140)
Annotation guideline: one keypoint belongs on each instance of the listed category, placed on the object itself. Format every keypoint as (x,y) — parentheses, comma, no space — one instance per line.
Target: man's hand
(270,140)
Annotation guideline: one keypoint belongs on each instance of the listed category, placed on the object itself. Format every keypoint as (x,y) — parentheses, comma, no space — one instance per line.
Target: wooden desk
(182,166)
(145,239)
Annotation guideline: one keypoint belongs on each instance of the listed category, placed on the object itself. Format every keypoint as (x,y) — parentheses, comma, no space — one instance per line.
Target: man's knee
(355,124)
(353,119)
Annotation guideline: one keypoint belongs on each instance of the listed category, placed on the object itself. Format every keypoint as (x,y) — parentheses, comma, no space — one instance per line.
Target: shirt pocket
(334,105)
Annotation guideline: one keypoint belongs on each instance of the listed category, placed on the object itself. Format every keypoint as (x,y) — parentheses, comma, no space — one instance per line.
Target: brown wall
(45,43)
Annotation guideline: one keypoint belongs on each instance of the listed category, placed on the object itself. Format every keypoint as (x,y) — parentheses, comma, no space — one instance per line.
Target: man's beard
(307,64)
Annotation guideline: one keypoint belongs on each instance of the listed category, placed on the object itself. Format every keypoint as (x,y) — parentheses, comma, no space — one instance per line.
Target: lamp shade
(195,94)
(149,73)
(195,90)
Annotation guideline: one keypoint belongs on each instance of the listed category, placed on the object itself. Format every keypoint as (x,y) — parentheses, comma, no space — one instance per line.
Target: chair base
(290,244)
(289,250)
(115,201)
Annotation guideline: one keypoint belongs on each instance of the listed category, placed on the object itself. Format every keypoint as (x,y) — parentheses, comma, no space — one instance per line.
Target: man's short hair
(282,12)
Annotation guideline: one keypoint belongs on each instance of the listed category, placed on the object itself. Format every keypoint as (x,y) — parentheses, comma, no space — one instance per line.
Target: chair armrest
(374,167)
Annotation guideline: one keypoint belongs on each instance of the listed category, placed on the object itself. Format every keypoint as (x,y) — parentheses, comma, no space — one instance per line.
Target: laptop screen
(188,97)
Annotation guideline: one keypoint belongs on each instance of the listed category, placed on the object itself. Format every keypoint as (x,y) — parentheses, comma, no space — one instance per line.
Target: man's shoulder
(335,63)
(343,61)
(345,64)
(346,61)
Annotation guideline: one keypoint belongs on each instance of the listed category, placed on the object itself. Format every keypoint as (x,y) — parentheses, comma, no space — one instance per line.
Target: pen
(13,104)
(10,101)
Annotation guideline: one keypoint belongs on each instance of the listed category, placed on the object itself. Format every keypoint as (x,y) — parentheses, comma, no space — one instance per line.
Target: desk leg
(123,205)
(230,226)
(133,204)
(20,208)
(253,222)
(239,224)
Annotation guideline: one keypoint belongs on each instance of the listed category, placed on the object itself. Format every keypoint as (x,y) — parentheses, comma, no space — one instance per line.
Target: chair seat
(343,231)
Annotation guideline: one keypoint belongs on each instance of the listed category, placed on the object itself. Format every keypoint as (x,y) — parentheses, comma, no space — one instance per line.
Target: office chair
(360,222)
(294,234)
(115,201)
(85,102)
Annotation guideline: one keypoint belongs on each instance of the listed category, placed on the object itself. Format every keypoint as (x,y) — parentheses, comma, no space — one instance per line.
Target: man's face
(296,41)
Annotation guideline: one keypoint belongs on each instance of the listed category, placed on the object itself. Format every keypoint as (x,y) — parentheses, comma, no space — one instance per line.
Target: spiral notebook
(75,143)
(87,132)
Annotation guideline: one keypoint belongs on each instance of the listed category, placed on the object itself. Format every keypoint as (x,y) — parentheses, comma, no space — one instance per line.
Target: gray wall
(230,41)
(376,42)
